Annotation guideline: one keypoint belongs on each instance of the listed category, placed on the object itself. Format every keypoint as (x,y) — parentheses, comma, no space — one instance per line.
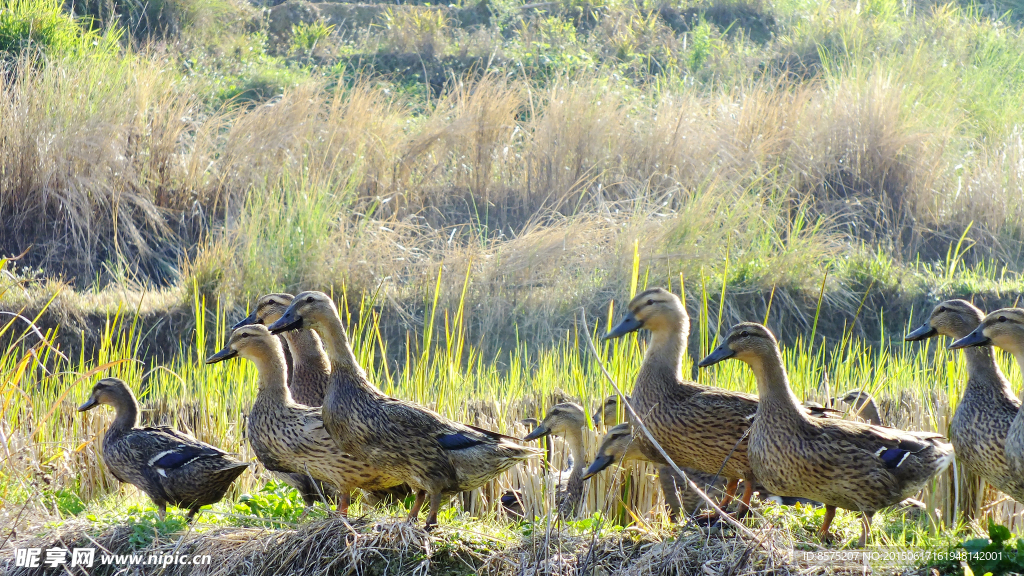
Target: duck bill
(976,338)
(88,404)
(248,320)
(723,352)
(538,432)
(221,356)
(922,333)
(290,321)
(628,324)
(600,463)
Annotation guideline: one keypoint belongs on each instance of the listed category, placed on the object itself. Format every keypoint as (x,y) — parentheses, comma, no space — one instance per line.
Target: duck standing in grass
(841,463)
(289,437)
(434,455)
(699,427)
(170,466)
(1004,328)
(567,420)
(308,374)
(984,415)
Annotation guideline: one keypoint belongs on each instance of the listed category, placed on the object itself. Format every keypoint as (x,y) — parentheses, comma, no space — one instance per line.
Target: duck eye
(942,309)
(1002,318)
(650,302)
(309,300)
(744,334)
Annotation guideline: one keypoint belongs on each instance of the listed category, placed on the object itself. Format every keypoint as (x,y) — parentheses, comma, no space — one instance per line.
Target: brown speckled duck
(289,437)
(171,467)
(1004,328)
(308,374)
(434,455)
(841,463)
(567,420)
(983,417)
(700,427)
(619,445)
(310,370)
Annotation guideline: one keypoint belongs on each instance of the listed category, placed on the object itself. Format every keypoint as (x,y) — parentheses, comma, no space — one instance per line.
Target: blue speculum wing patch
(457,441)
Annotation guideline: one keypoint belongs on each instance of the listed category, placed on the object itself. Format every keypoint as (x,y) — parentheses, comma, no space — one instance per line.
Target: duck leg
(744,507)
(730,491)
(162,512)
(415,511)
(191,514)
(344,499)
(865,524)
(830,513)
(435,505)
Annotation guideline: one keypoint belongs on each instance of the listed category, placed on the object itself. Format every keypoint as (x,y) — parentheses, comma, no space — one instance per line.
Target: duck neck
(983,374)
(574,437)
(273,376)
(774,393)
(344,367)
(307,350)
(664,356)
(126,410)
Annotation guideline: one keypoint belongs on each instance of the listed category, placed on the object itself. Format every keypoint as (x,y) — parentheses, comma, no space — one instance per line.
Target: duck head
(616,446)
(110,391)
(952,318)
(747,341)
(1003,328)
(655,310)
(253,342)
(307,310)
(268,309)
(561,420)
(608,413)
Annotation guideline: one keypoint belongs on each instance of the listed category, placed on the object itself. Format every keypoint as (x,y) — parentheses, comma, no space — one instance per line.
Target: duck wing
(891,446)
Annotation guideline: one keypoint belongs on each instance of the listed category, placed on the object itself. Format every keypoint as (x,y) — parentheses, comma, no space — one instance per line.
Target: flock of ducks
(320,424)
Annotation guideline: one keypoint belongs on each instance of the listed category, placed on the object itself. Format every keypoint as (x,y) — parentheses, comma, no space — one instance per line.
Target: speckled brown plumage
(700,427)
(433,454)
(1004,328)
(567,420)
(170,466)
(843,464)
(308,373)
(620,445)
(983,417)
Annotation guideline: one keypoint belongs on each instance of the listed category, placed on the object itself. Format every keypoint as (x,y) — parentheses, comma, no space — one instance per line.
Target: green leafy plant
(997,554)
(275,501)
(44,25)
(306,37)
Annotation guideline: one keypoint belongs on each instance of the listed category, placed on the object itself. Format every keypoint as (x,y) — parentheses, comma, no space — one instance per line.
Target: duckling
(863,404)
(983,417)
(310,370)
(170,466)
(567,420)
(289,437)
(699,427)
(1004,328)
(619,445)
(433,454)
(840,463)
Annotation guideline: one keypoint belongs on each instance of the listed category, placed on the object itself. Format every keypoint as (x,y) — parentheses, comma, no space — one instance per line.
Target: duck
(620,445)
(1004,328)
(288,437)
(863,404)
(309,371)
(170,466)
(567,420)
(841,463)
(699,427)
(435,455)
(987,410)
(608,413)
